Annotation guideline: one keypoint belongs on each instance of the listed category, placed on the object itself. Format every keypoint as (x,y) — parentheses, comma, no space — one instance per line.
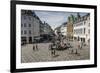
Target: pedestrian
(76,51)
(78,46)
(33,47)
(51,48)
(81,45)
(36,46)
(54,49)
(72,51)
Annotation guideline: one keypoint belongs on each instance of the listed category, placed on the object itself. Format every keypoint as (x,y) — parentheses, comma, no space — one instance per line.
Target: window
(29,31)
(88,31)
(89,24)
(84,30)
(25,32)
(30,18)
(24,17)
(21,25)
(24,24)
(84,22)
(22,32)
(29,25)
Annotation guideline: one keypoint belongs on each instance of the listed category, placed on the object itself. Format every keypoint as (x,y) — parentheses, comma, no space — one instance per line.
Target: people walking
(81,45)
(35,47)
(53,49)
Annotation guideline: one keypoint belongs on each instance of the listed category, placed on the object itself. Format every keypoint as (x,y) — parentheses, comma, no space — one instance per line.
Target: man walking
(33,47)
(53,49)
(36,46)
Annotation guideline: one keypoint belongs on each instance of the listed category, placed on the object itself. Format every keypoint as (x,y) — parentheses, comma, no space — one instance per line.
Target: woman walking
(53,49)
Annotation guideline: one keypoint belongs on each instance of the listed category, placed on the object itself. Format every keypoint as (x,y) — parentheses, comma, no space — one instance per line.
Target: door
(30,39)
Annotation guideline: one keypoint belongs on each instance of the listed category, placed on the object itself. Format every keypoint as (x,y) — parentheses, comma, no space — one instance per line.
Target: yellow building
(70,28)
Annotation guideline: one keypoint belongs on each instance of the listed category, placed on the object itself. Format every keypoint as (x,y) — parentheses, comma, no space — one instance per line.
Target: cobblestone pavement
(43,53)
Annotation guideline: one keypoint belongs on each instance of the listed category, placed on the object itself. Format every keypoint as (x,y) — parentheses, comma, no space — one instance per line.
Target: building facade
(46,32)
(63,29)
(29,26)
(81,28)
(70,28)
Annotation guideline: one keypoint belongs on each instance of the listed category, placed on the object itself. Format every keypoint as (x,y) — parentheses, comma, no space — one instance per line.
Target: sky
(55,18)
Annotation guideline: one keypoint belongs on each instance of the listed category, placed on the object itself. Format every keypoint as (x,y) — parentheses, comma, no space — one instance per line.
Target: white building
(29,26)
(81,28)
(63,29)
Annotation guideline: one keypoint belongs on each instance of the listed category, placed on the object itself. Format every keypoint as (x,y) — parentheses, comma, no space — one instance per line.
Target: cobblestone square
(43,53)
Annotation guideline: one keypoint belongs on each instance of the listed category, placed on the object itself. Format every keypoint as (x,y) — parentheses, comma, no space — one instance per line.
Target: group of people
(55,45)
(60,45)
(79,46)
(35,47)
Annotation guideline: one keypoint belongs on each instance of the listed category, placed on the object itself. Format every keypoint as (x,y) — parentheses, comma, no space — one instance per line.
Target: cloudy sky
(54,18)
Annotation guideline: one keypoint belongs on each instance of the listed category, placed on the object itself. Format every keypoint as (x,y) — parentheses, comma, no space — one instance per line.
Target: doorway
(30,39)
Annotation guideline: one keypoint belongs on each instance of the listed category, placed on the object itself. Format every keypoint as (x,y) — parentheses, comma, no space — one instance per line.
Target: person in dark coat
(36,47)
(53,49)
(33,47)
